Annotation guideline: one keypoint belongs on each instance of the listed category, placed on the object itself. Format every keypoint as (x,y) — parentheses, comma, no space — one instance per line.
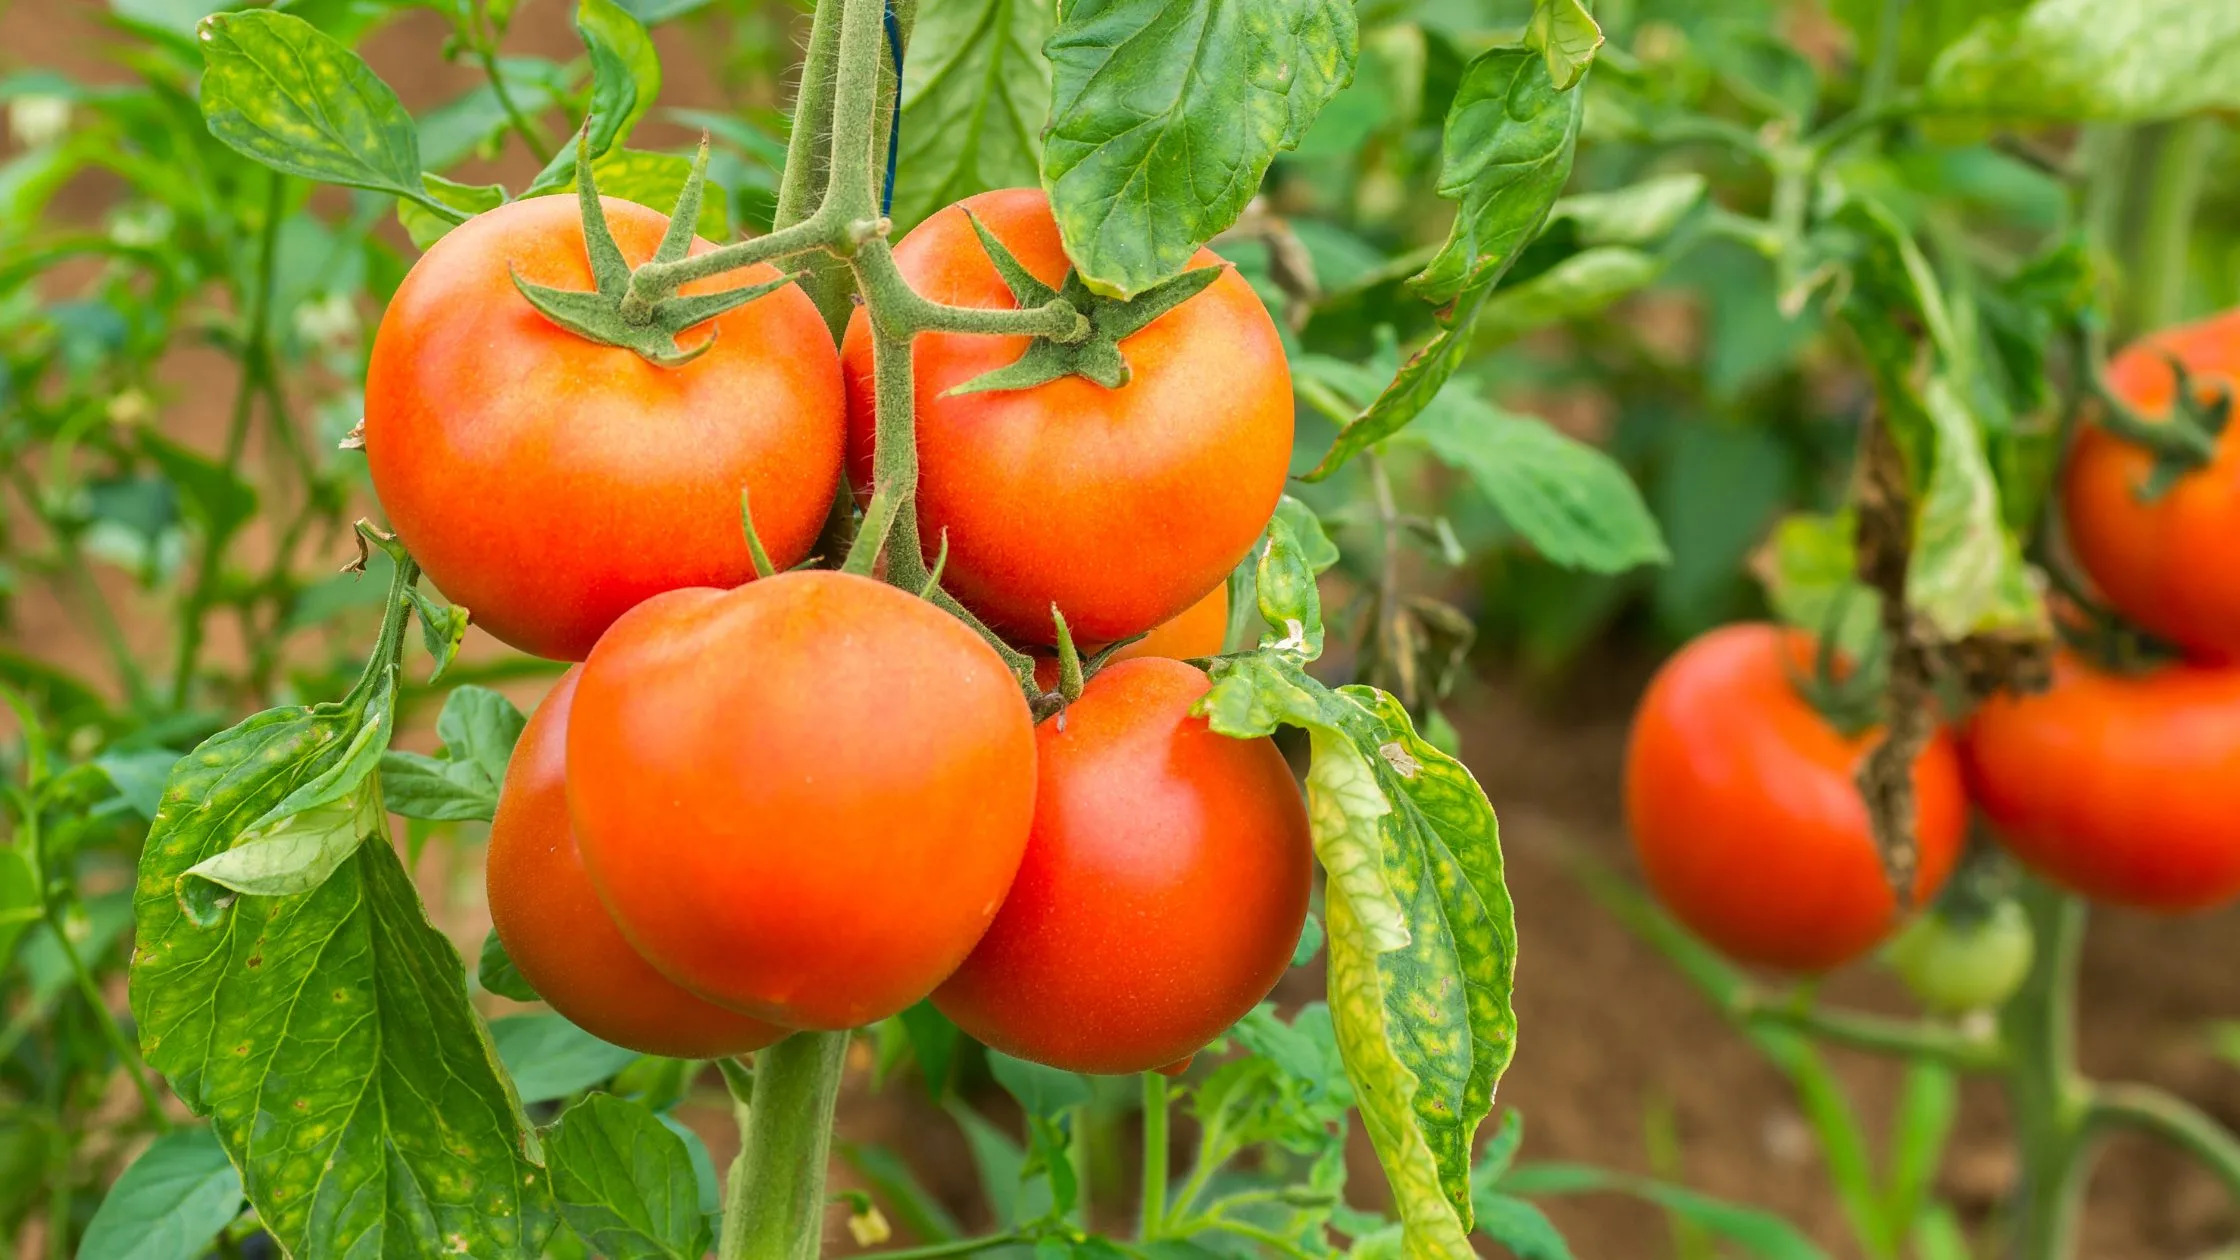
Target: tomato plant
(1163,889)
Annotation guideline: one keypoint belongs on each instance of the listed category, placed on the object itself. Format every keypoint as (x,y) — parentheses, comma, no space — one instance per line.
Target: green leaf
(139,776)
(1579,286)
(286,95)
(19,900)
(2086,59)
(1505,157)
(214,496)
(1042,1091)
(169,1204)
(1164,116)
(426,225)
(1635,214)
(1307,534)
(300,851)
(1413,388)
(1810,571)
(550,1058)
(1967,573)
(1289,601)
(654,180)
(1571,502)
(326,1034)
(910,1204)
(442,627)
(1422,935)
(625,1182)
(1759,1233)
(975,92)
(625,77)
(496,972)
(933,1039)
(1524,1230)
(479,728)
(1565,34)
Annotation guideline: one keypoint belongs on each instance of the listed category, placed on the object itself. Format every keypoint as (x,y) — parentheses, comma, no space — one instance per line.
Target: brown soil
(1610,1033)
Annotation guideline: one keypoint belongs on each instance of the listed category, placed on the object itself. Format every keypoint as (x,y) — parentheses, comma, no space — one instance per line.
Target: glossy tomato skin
(804,798)
(2172,565)
(1122,506)
(2123,788)
(547,483)
(561,939)
(1745,815)
(1163,888)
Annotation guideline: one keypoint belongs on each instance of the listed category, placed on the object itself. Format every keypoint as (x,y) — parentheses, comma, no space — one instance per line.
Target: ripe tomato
(2171,565)
(1201,630)
(1955,966)
(1745,815)
(803,798)
(1163,888)
(1122,506)
(2125,789)
(547,483)
(561,939)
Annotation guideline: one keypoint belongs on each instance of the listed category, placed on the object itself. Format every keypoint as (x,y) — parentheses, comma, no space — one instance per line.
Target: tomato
(1746,816)
(1955,966)
(547,483)
(1122,506)
(2123,788)
(1201,630)
(1163,889)
(561,939)
(804,798)
(2172,565)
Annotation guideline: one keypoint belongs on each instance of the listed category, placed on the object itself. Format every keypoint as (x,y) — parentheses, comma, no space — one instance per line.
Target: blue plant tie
(894,126)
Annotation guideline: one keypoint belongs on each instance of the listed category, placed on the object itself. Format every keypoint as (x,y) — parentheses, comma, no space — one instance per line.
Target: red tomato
(1163,888)
(803,798)
(2172,565)
(1745,814)
(2126,789)
(561,939)
(547,483)
(1122,506)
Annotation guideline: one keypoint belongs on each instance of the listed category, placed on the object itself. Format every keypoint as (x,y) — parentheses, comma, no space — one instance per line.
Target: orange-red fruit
(1746,816)
(1163,888)
(1122,506)
(803,798)
(546,482)
(558,935)
(2172,565)
(2126,789)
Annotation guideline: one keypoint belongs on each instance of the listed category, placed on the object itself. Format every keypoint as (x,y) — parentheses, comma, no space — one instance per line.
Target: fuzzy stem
(801,189)
(2180,162)
(1154,1209)
(774,1207)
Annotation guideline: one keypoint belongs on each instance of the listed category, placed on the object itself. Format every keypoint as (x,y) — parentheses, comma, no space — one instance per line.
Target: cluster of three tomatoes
(812,800)
(2122,784)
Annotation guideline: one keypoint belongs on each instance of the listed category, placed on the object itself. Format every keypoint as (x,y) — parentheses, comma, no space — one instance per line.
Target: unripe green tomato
(1955,967)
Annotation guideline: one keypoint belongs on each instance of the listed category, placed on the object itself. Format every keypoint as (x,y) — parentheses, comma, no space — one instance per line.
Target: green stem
(1154,1209)
(653,281)
(1882,73)
(2047,1101)
(1882,1035)
(803,186)
(2148,1110)
(956,1247)
(111,1031)
(526,128)
(2105,151)
(2180,163)
(774,1207)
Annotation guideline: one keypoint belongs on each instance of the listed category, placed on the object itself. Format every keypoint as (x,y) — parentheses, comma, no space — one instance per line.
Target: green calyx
(1096,354)
(2181,442)
(619,311)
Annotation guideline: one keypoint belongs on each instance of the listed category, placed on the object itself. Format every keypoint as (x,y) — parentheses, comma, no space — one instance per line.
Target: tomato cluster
(810,800)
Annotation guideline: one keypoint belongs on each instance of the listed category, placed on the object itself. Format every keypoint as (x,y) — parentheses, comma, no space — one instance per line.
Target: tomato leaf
(496,972)
(550,1058)
(1563,32)
(1505,157)
(214,496)
(1575,288)
(625,78)
(1042,1091)
(654,180)
(1761,1234)
(479,728)
(1521,1229)
(2082,59)
(426,224)
(975,92)
(1413,388)
(625,1182)
(1570,501)
(170,1202)
(1164,116)
(1635,214)
(278,90)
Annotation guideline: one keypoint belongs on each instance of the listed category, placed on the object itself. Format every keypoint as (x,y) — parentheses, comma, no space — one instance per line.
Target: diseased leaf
(169,1204)
(975,93)
(1505,157)
(327,1034)
(1570,501)
(625,1182)
(1289,602)
(1165,115)
(297,853)
(281,92)
(2087,59)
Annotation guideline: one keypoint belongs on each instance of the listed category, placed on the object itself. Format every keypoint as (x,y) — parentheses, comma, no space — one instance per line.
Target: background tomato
(803,798)
(548,483)
(1955,965)
(561,939)
(1163,888)
(2172,565)
(1123,506)
(2126,789)
(1744,813)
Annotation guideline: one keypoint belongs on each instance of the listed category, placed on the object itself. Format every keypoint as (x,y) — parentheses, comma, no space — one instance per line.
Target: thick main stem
(774,1207)
(801,188)
(2179,166)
